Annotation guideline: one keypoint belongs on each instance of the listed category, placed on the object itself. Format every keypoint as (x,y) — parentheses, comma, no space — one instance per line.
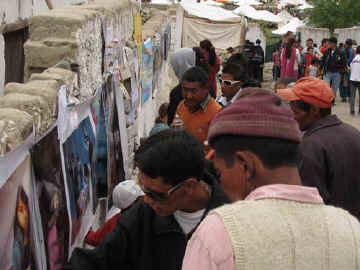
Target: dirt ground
(341,109)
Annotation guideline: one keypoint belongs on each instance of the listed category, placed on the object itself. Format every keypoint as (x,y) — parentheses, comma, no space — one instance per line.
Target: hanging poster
(138,33)
(99,161)
(146,71)
(51,194)
(115,163)
(77,155)
(157,62)
(166,41)
(18,248)
(133,63)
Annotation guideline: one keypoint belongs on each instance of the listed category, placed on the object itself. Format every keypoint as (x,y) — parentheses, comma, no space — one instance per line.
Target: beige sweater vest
(288,235)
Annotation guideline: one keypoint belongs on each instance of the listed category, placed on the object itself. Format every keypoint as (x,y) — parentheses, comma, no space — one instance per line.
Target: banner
(115,162)
(18,249)
(77,153)
(138,33)
(146,71)
(51,195)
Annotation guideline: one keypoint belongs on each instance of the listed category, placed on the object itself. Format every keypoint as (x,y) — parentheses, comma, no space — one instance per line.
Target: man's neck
(283,175)
(228,99)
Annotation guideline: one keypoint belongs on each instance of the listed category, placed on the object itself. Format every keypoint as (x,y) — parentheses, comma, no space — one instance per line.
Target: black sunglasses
(160,196)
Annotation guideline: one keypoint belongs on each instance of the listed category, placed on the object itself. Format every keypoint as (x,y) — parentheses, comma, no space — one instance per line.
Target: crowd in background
(337,64)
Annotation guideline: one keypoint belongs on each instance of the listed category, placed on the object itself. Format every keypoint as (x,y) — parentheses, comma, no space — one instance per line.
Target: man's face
(304,118)
(311,51)
(332,45)
(232,178)
(229,91)
(309,43)
(156,187)
(193,94)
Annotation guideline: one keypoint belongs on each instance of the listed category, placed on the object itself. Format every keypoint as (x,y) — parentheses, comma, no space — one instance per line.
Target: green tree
(335,13)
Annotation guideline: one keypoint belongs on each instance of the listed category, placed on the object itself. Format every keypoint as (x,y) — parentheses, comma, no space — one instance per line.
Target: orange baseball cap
(311,90)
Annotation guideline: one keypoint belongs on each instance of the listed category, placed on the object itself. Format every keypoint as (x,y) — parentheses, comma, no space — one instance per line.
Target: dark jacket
(174,101)
(142,240)
(330,161)
(335,62)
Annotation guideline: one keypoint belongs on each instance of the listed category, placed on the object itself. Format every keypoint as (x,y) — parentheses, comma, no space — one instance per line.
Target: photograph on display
(51,195)
(78,149)
(17,238)
(22,258)
(115,163)
(147,71)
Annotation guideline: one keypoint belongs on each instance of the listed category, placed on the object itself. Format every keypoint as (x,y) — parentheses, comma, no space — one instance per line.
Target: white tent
(247,3)
(262,15)
(291,26)
(213,13)
(199,21)
(283,3)
(306,6)
(286,16)
(213,3)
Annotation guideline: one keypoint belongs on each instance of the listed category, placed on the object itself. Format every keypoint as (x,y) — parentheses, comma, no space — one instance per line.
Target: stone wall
(254,32)
(2,64)
(317,34)
(30,107)
(73,39)
(344,33)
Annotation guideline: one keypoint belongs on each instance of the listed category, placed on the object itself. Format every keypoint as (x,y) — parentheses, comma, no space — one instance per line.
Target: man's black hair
(196,74)
(333,40)
(258,41)
(237,71)
(273,152)
(310,39)
(349,42)
(304,106)
(173,155)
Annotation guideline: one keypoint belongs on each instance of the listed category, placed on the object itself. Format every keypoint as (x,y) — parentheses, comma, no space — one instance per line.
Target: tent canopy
(306,6)
(262,15)
(247,3)
(213,13)
(286,16)
(291,26)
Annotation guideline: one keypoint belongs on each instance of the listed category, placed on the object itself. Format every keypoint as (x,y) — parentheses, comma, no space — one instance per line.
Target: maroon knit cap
(259,113)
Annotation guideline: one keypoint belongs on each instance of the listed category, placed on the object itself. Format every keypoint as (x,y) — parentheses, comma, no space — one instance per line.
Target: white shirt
(223,101)
(188,221)
(355,69)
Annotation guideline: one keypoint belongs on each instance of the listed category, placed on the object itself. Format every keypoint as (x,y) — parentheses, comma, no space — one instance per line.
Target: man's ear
(189,185)
(315,111)
(246,161)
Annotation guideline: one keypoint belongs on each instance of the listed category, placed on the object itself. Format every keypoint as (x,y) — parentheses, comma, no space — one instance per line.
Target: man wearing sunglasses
(233,79)
(179,192)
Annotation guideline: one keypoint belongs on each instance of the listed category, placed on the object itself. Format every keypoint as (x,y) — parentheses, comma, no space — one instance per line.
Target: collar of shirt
(205,103)
(287,192)
(236,96)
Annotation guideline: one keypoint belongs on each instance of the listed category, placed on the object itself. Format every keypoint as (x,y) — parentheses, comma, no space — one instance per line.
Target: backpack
(258,56)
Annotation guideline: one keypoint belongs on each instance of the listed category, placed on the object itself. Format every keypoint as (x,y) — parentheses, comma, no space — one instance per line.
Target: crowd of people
(249,179)
(337,64)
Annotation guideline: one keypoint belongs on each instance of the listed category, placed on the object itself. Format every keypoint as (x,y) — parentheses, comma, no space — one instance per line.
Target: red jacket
(94,238)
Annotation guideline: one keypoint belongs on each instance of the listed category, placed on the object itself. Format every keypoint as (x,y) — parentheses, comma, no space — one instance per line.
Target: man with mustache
(198,108)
